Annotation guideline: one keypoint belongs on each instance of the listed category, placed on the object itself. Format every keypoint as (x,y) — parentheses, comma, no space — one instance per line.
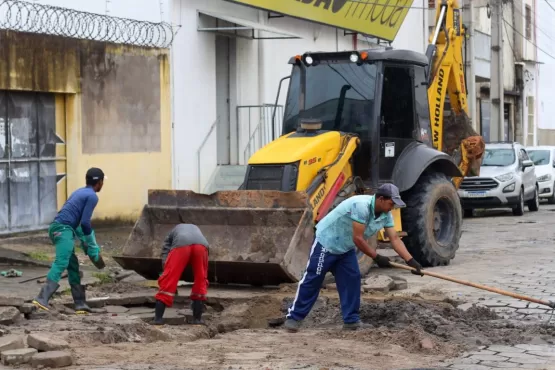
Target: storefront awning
(237,27)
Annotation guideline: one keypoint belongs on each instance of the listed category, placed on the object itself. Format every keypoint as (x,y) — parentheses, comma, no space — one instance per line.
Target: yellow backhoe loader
(352,120)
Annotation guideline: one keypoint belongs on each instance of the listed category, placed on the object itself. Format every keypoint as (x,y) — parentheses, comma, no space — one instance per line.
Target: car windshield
(498,157)
(341,94)
(539,157)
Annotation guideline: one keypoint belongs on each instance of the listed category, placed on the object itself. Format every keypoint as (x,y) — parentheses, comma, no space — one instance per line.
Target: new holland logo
(379,18)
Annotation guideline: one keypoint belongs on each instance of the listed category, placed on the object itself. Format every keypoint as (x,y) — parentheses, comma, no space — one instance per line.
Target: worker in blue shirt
(345,228)
(73,222)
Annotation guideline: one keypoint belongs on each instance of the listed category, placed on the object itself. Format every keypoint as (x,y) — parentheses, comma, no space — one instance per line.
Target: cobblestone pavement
(511,253)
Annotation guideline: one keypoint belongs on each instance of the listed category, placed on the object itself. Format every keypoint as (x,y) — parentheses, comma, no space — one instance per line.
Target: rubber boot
(197,307)
(79,298)
(46,292)
(159,313)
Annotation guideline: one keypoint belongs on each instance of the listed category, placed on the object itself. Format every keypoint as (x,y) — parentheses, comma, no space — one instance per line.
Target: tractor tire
(432,220)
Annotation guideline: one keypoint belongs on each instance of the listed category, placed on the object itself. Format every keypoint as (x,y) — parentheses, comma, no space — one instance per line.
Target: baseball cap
(95,174)
(392,191)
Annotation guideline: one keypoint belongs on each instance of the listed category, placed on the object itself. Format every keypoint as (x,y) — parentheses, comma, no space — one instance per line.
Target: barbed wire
(23,16)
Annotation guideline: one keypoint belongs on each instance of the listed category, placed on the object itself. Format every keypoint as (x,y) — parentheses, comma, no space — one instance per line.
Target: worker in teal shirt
(73,222)
(338,235)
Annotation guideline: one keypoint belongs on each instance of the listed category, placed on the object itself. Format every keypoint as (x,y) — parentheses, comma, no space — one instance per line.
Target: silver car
(507,180)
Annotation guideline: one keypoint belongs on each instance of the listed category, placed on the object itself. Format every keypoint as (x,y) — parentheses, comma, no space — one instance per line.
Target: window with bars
(528,20)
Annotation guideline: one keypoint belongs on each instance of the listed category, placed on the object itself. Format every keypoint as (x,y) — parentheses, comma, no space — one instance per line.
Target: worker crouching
(184,244)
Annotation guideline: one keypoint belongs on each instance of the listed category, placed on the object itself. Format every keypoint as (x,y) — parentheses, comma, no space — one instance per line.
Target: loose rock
(400,283)
(46,343)
(379,283)
(9,315)
(52,359)
(116,309)
(27,308)
(427,343)
(17,356)
(130,299)
(11,301)
(10,342)
(332,286)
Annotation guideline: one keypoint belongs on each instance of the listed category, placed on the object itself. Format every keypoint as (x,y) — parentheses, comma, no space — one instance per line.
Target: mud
(442,322)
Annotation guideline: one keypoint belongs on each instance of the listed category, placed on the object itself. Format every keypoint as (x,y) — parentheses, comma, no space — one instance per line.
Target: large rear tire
(432,220)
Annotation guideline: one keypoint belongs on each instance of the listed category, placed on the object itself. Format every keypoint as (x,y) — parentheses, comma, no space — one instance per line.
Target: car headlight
(509,188)
(544,178)
(506,177)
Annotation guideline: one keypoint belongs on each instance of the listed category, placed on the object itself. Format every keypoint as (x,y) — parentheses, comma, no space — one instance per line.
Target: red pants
(177,261)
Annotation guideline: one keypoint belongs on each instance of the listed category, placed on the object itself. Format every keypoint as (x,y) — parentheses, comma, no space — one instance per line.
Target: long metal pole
(496,89)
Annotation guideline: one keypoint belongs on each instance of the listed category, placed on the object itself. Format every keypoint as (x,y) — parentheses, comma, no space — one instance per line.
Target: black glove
(412,263)
(382,261)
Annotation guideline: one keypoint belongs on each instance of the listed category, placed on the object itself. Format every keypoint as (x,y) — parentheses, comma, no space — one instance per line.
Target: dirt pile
(408,322)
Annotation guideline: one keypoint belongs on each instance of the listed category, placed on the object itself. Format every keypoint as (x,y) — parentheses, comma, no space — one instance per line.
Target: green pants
(63,238)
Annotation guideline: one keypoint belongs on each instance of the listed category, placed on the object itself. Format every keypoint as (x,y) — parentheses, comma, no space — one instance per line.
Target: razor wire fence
(23,16)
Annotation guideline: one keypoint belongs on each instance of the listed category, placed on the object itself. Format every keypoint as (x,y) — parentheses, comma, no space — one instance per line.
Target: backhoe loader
(352,121)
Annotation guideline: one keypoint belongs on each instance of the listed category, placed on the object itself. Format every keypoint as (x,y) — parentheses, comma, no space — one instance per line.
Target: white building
(227,61)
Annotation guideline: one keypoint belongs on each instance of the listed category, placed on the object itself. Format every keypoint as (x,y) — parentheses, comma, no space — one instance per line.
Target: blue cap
(391,191)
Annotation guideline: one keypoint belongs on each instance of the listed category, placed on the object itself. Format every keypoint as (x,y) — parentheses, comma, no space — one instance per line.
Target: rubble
(17,356)
(378,283)
(10,301)
(9,315)
(116,309)
(27,308)
(11,341)
(400,283)
(53,359)
(44,342)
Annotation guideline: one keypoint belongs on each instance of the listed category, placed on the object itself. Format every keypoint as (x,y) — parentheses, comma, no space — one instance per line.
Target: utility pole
(471,76)
(496,88)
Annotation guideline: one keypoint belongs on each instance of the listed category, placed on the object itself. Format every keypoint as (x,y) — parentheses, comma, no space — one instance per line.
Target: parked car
(544,165)
(507,180)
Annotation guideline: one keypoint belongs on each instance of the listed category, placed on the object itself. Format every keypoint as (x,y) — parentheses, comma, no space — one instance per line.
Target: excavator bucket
(256,237)
(463,143)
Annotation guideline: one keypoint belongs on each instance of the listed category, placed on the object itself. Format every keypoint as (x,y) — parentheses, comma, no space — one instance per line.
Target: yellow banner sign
(379,18)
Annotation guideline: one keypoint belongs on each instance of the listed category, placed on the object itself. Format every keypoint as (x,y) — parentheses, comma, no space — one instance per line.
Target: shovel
(479,286)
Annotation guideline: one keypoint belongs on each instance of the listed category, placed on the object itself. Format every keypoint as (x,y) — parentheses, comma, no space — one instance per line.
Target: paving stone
(531,360)
(11,341)
(44,342)
(531,311)
(116,309)
(27,308)
(467,361)
(97,302)
(510,349)
(484,352)
(140,310)
(17,356)
(536,347)
(489,357)
(11,301)
(469,367)
(131,299)
(498,364)
(331,286)
(495,304)
(378,283)
(52,359)
(518,304)
(517,355)
(541,354)
(9,315)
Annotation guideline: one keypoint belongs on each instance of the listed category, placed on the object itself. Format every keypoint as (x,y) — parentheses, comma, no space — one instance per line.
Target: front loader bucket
(256,237)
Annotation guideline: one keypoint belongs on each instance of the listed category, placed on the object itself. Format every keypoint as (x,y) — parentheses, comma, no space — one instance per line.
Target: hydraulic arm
(452,134)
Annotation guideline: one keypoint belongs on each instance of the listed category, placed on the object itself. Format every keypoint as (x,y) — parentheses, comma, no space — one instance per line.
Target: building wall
(256,69)
(112,111)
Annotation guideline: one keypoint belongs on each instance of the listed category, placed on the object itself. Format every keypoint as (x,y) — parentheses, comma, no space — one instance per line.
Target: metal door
(527,177)
(28,175)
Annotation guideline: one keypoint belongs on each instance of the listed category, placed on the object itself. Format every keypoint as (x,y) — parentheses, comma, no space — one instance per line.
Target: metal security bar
(255,128)
(52,20)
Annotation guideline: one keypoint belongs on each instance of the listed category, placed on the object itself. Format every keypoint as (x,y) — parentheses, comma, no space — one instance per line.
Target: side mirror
(527,163)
